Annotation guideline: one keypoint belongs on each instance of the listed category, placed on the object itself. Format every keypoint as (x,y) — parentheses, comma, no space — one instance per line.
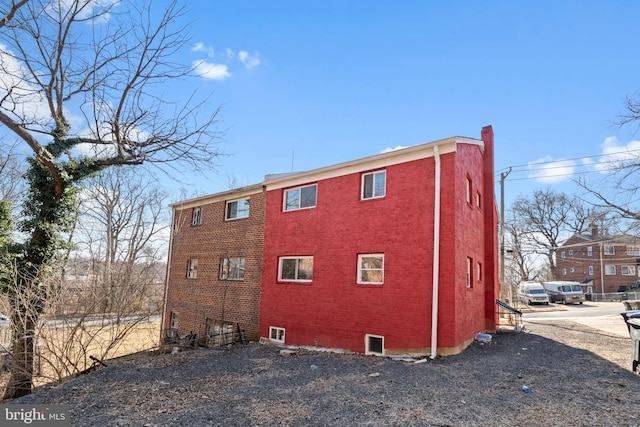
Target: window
(295,269)
(564,271)
(628,270)
(591,270)
(571,270)
(276,334)
(562,255)
(589,251)
(468,194)
(232,269)
(371,269)
(479,271)
(374,344)
(196,216)
(469,273)
(570,252)
(374,185)
(300,198)
(237,209)
(633,250)
(478,200)
(192,268)
(610,270)
(609,250)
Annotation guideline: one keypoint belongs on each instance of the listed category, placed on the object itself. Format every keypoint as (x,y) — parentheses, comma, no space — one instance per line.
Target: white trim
(282,258)
(234,194)
(300,187)
(379,161)
(436,254)
(366,345)
(373,183)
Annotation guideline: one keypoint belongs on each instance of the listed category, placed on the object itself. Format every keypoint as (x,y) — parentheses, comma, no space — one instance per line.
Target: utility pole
(503,176)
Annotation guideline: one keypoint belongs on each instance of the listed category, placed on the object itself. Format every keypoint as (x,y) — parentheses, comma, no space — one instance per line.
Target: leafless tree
(546,219)
(10,174)
(83,85)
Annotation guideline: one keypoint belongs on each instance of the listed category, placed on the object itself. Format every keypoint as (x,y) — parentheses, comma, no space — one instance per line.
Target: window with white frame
(276,334)
(196,216)
(564,271)
(295,269)
(478,200)
(589,251)
(468,189)
(374,185)
(232,269)
(371,269)
(237,209)
(300,198)
(479,271)
(374,344)
(591,270)
(469,272)
(633,250)
(562,254)
(609,250)
(628,270)
(610,270)
(192,268)
(571,270)
(570,252)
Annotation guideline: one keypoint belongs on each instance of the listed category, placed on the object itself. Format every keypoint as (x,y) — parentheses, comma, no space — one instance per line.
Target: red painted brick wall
(195,300)
(335,312)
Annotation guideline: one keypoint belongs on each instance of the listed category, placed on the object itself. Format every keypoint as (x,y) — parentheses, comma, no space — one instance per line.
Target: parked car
(564,292)
(532,293)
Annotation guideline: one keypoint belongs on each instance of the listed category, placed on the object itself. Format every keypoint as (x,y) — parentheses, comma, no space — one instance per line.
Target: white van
(532,293)
(564,292)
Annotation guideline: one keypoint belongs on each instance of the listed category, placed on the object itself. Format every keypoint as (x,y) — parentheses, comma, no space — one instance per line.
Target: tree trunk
(22,357)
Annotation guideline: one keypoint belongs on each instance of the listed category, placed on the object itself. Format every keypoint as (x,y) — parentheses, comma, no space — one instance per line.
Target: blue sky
(320,83)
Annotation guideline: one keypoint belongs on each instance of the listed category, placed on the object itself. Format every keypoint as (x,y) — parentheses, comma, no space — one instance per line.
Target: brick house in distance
(600,263)
(390,254)
(214,272)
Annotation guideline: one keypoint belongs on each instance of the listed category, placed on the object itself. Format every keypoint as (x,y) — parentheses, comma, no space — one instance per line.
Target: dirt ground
(576,375)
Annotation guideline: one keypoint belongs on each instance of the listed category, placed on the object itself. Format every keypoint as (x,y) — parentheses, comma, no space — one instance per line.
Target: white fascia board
(237,193)
(378,161)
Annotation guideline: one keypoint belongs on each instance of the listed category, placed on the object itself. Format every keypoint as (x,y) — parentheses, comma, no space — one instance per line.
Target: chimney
(594,232)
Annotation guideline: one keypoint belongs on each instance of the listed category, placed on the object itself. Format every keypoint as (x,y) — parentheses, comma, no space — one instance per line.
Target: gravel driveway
(577,376)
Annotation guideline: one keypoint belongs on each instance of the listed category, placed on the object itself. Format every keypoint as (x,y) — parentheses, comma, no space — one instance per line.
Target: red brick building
(215,264)
(390,254)
(601,263)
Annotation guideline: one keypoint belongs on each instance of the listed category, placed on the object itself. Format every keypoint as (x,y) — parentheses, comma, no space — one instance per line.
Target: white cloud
(230,54)
(200,47)
(549,171)
(389,149)
(249,61)
(210,70)
(616,155)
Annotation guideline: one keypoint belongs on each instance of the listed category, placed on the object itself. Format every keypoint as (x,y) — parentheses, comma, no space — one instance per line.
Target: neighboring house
(600,263)
(214,272)
(390,254)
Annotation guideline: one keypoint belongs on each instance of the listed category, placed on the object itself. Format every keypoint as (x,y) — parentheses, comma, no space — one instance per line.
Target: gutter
(436,255)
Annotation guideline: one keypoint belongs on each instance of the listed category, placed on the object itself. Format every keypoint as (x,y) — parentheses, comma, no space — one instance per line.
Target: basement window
(374,344)
(276,334)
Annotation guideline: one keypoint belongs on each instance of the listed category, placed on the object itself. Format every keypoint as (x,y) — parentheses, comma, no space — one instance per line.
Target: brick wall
(207,296)
(333,310)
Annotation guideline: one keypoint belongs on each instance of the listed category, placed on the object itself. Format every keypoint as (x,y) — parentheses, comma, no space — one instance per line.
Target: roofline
(416,152)
(235,193)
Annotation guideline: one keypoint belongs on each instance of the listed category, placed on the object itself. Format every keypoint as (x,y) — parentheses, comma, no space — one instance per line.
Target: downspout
(167,275)
(436,255)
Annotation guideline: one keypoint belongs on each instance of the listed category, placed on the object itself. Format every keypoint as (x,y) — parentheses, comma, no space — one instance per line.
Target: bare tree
(547,219)
(10,175)
(81,85)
